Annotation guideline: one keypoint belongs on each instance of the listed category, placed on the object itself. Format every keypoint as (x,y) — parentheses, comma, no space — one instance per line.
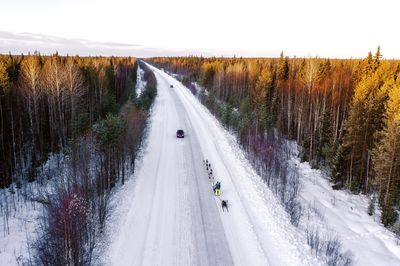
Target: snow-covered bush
(328,248)
(65,229)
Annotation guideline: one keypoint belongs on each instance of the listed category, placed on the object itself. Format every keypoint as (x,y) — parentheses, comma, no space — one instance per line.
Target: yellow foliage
(393,104)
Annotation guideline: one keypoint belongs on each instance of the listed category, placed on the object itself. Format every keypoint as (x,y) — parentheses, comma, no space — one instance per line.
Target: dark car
(180,133)
(171,86)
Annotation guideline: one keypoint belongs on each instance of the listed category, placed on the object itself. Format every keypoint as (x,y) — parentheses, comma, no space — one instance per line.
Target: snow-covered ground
(140,82)
(168,215)
(18,232)
(345,215)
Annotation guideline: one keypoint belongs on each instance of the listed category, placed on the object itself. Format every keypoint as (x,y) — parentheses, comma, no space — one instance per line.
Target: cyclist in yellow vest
(217,188)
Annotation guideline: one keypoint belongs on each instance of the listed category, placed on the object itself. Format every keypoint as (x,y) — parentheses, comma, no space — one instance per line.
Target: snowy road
(173,218)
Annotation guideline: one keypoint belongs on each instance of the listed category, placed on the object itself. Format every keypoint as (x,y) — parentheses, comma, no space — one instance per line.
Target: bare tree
(75,90)
(55,82)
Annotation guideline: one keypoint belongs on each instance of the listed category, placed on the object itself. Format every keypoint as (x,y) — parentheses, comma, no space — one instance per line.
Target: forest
(71,127)
(344,114)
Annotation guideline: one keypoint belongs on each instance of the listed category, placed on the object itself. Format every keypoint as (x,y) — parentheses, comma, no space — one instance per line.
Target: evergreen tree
(259,94)
(207,75)
(283,68)
(4,79)
(364,120)
(339,168)
(386,155)
(109,133)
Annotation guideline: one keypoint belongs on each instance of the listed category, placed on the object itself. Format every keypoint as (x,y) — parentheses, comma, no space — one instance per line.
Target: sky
(324,28)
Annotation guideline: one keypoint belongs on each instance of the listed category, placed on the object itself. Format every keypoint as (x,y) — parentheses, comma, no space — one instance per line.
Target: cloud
(23,42)
(18,43)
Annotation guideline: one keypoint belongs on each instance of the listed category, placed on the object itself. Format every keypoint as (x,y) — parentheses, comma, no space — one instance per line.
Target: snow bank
(140,82)
(345,215)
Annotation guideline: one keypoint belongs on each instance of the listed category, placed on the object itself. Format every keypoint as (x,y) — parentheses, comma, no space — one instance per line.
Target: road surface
(173,218)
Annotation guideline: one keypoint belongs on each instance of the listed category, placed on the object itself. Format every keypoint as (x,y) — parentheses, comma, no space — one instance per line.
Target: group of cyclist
(217,186)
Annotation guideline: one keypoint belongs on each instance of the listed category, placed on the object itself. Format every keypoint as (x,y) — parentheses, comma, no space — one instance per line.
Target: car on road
(180,133)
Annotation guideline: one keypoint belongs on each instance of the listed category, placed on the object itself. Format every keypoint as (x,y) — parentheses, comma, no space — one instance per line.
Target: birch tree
(74,90)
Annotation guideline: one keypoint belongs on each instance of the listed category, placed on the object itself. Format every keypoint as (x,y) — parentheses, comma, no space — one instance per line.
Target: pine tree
(109,132)
(259,95)
(207,75)
(339,168)
(283,68)
(364,120)
(386,155)
(4,80)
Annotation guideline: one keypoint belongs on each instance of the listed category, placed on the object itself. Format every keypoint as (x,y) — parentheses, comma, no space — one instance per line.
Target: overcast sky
(326,28)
